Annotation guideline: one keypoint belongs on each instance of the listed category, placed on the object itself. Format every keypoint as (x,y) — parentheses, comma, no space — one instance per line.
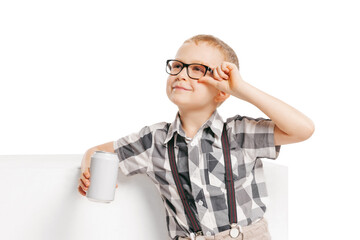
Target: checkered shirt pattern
(200,164)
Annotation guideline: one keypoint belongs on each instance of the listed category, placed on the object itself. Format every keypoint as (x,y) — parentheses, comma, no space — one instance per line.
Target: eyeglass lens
(195,71)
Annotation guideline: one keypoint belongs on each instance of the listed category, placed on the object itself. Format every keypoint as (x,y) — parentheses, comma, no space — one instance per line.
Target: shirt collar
(175,126)
(215,122)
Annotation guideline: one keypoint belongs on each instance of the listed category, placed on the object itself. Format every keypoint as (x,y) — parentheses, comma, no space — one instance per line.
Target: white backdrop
(75,74)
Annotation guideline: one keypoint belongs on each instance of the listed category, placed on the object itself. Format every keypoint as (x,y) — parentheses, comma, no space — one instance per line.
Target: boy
(209,171)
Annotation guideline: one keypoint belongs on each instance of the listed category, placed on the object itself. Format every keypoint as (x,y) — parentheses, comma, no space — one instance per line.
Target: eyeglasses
(194,70)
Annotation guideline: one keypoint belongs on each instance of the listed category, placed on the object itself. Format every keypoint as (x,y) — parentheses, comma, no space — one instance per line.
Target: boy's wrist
(242,91)
(87,158)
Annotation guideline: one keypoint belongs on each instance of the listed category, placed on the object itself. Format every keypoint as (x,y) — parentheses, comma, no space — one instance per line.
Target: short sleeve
(133,152)
(256,136)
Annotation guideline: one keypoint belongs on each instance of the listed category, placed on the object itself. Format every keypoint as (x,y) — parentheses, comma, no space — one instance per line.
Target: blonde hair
(226,50)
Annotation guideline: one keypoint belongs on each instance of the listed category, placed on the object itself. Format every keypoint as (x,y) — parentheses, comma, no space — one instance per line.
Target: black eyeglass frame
(187,69)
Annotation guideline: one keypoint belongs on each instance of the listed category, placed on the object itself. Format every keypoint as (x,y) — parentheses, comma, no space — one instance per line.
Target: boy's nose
(182,75)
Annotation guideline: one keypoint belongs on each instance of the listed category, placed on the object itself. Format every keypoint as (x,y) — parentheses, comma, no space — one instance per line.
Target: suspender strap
(180,189)
(229,177)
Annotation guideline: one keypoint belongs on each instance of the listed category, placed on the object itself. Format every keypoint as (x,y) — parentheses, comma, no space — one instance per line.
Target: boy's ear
(221,97)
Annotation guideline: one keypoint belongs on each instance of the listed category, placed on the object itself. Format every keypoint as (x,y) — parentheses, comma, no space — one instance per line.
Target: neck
(191,121)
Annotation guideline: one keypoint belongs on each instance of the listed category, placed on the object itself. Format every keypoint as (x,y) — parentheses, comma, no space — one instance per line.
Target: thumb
(208,80)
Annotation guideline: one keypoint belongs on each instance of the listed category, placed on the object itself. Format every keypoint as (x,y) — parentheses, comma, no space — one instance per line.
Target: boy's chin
(188,106)
(182,104)
(179,101)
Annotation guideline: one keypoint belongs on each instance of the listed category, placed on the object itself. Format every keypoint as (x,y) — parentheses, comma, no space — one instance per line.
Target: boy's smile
(186,92)
(178,86)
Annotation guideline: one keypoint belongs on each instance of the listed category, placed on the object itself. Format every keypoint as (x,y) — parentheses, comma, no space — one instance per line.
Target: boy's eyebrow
(196,61)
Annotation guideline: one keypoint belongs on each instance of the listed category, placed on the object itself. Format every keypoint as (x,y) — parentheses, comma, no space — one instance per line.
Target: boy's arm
(290,125)
(106,147)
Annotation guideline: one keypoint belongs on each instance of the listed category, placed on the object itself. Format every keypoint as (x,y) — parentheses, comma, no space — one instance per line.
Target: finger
(209,80)
(81,191)
(84,179)
(224,67)
(86,182)
(116,186)
(82,185)
(216,75)
(87,173)
(229,66)
(221,73)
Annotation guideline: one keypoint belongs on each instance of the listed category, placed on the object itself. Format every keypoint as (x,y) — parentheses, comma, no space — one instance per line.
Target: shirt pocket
(215,174)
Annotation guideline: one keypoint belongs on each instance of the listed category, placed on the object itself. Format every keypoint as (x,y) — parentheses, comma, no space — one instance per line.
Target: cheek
(207,90)
(168,85)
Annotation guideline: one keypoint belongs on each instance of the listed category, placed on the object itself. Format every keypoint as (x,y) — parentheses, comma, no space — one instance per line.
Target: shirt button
(200,202)
(208,233)
(193,143)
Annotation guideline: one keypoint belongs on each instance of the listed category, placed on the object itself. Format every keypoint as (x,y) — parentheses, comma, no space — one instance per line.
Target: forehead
(199,53)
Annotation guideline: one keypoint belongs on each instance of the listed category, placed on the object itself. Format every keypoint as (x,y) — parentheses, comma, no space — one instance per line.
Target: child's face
(188,93)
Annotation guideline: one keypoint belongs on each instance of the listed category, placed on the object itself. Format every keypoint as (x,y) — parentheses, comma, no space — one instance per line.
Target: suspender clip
(235,230)
(197,235)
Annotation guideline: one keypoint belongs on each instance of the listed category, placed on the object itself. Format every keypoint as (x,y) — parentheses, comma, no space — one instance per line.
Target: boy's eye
(198,68)
(176,65)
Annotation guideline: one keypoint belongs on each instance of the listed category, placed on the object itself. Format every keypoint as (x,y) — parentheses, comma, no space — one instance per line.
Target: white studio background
(75,74)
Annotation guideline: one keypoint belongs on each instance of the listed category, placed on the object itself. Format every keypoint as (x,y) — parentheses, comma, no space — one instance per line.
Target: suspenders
(235,229)
(175,174)
(229,177)
(229,180)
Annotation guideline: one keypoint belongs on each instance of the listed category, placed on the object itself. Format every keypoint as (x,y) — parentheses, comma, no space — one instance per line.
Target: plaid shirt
(200,164)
